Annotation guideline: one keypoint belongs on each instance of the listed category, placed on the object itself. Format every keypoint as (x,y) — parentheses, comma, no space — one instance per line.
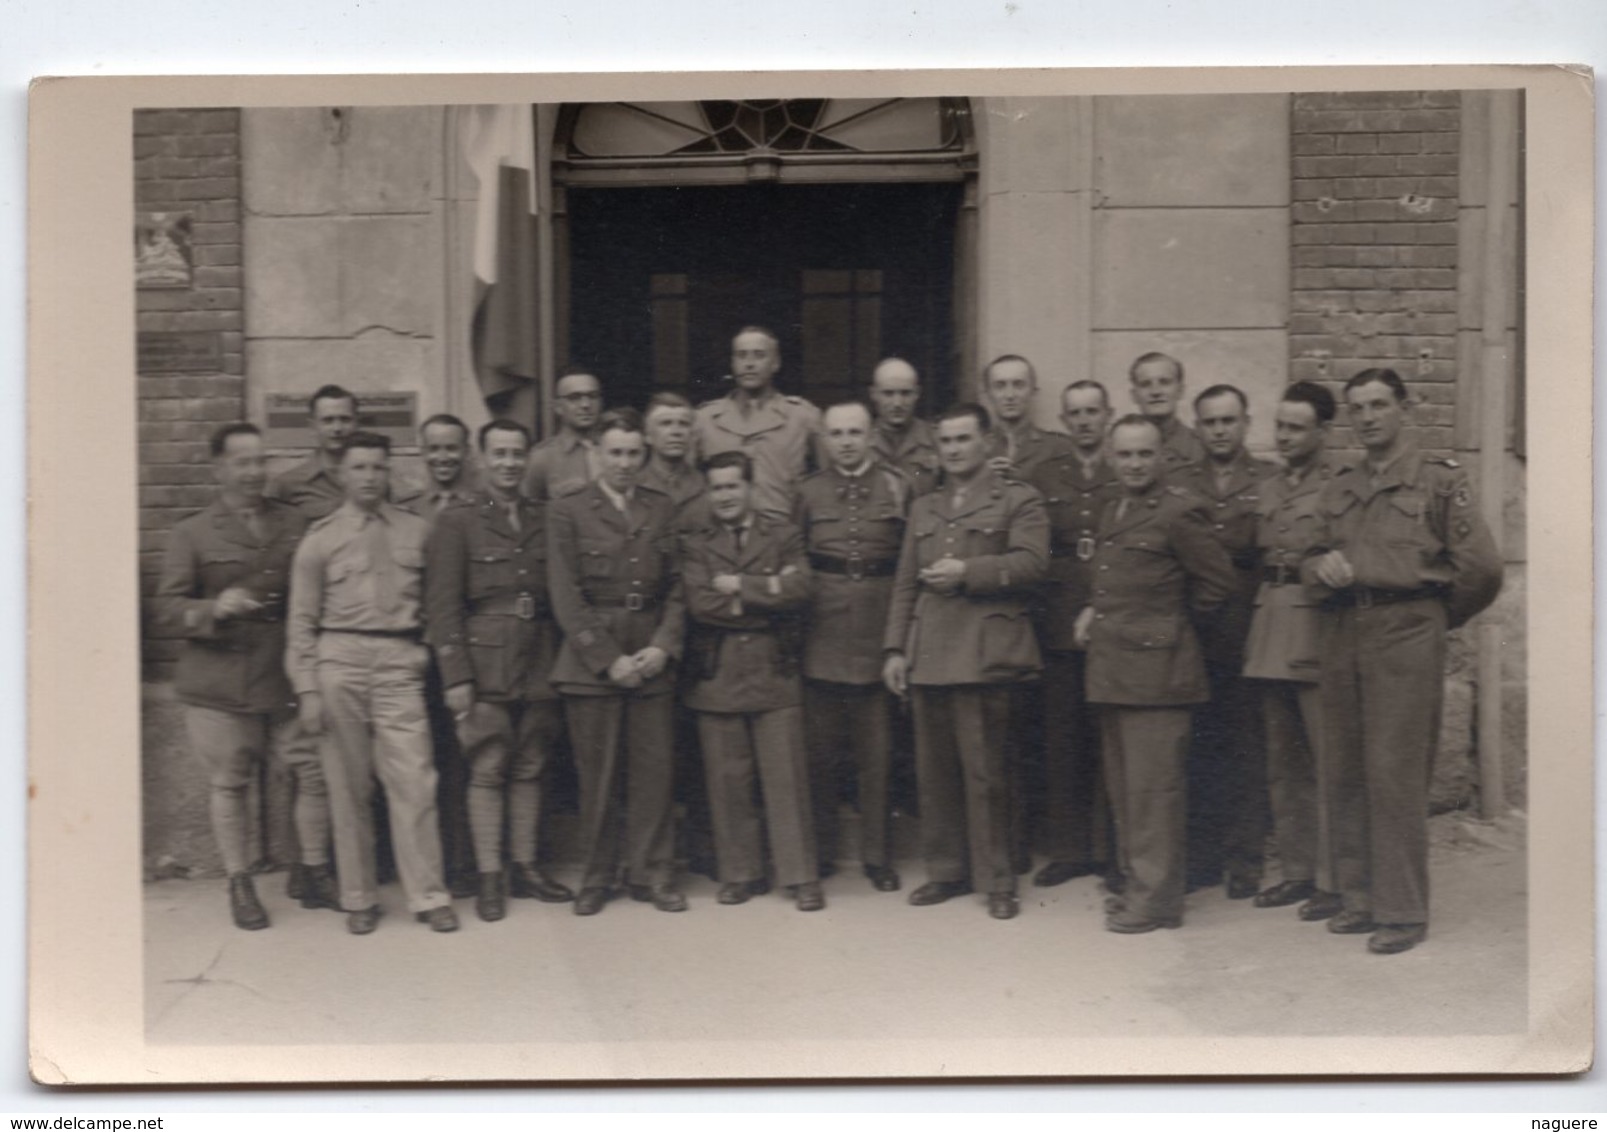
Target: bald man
(901,439)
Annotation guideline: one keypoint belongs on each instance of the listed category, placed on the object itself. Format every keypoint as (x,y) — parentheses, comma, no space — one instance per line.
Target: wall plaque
(179,351)
(391,414)
(162,249)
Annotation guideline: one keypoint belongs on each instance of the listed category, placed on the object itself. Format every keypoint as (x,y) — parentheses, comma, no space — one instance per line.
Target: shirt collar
(853,473)
(618,499)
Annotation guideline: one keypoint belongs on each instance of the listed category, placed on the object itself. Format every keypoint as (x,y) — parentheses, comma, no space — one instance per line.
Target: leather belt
(523,606)
(393,634)
(855,568)
(1082,550)
(633,602)
(1281,575)
(1365,597)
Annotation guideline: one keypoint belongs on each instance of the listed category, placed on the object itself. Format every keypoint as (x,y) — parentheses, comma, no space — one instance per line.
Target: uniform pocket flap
(1149,633)
(490,554)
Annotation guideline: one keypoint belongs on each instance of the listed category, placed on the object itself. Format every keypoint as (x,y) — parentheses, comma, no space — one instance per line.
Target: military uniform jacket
(1153,567)
(1074,499)
(913,452)
(236,664)
(308,487)
(1179,446)
(686,492)
(616,587)
(1412,526)
(560,465)
(854,528)
(1283,627)
(488,616)
(1231,507)
(1028,446)
(780,434)
(983,633)
(742,651)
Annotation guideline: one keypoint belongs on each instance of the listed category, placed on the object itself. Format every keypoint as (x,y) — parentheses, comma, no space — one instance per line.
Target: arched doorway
(844,225)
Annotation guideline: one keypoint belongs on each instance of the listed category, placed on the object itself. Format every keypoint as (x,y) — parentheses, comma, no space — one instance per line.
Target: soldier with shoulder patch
(1228,813)
(1400,556)
(1155,568)
(852,516)
(959,639)
(777,432)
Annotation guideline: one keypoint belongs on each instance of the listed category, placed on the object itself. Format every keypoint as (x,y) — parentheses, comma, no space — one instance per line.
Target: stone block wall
(186,163)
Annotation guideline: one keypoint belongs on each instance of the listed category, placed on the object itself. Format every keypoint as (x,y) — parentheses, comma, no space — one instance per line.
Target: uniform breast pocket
(1406,520)
(987,536)
(489,570)
(597,559)
(408,556)
(824,520)
(221,568)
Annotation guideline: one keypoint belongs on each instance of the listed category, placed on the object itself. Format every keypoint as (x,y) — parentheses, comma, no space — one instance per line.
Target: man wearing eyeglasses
(567,461)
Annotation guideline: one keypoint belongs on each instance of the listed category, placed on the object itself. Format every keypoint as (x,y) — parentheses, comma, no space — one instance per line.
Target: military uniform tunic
(231,674)
(780,434)
(1228,808)
(1424,561)
(1027,446)
(1180,445)
(743,681)
(853,525)
(309,487)
(1283,656)
(912,450)
(1156,564)
(490,624)
(616,587)
(1075,806)
(965,651)
(560,465)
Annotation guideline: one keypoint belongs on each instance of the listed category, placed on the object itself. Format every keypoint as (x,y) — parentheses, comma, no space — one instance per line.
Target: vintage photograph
(884,573)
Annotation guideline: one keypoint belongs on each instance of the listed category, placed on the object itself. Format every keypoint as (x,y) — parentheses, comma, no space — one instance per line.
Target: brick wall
(1374,235)
(186,164)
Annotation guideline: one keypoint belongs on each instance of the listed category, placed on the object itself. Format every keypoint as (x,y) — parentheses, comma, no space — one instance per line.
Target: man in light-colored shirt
(777,432)
(356,664)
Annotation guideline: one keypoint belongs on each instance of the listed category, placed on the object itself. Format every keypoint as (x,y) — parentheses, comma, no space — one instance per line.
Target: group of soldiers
(1173,646)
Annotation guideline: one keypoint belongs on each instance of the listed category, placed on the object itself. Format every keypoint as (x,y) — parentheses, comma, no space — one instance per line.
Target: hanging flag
(500,146)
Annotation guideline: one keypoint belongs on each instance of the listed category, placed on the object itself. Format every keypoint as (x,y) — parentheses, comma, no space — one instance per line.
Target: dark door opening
(659,280)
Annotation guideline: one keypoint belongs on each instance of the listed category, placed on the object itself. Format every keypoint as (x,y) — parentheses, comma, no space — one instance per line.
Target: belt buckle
(856,568)
(633,602)
(1364,597)
(525,607)
(1281,574)
(1085,548)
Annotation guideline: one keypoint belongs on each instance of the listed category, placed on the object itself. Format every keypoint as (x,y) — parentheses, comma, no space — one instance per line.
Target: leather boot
(318,887)
(243,904)
(492,902)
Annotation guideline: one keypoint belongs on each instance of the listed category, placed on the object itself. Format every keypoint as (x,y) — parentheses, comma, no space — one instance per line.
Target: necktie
(253,520)
(513,516)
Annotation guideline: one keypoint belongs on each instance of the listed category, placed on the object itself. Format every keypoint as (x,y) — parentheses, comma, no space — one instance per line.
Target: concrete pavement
(869,966)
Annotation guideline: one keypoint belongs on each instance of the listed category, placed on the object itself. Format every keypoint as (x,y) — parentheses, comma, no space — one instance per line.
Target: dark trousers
(1077,809)
(507,745)
(1383,672)
(1145,750)
(625,760)
(1228,816)
(849,727)
(452,782)
(1296,779)
(963,774)
(748,751)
